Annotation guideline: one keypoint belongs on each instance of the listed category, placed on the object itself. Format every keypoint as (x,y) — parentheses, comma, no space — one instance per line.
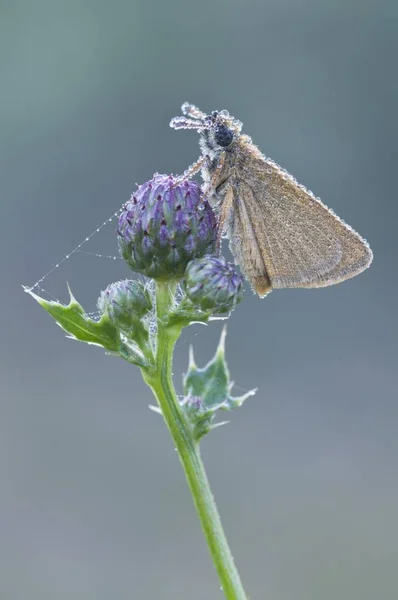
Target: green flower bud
(125,302)
(211,283)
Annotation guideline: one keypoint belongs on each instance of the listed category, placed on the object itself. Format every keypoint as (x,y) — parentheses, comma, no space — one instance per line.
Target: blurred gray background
(93,502)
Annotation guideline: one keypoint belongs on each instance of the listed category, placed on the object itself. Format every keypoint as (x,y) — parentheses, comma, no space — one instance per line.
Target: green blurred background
(93,503)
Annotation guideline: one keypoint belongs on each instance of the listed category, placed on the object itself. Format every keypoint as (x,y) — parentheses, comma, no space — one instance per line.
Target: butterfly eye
(223,136)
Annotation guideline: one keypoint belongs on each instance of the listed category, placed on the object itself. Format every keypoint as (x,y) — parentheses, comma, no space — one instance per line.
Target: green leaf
(131,352)
(73,320)
(208,390)
(187,314)
(212,383)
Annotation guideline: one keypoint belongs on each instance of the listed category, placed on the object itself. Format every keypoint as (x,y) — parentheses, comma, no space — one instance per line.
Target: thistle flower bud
(164,226)
(212,283)
(125,302)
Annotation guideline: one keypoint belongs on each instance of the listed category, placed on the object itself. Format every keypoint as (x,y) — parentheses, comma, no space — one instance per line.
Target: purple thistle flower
(164,226)
(212,283)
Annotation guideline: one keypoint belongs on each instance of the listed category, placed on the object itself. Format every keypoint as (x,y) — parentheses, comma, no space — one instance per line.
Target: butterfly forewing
(283,237)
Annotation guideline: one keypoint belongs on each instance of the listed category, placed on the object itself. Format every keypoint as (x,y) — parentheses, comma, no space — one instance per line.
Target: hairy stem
(160,380)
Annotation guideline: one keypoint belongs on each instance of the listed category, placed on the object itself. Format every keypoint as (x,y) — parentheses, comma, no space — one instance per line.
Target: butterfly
(280,234)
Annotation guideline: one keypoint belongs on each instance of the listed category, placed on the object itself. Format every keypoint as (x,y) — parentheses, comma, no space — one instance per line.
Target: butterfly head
(218,130)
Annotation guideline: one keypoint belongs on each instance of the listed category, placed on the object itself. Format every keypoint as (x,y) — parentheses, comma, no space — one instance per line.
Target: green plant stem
(160,380)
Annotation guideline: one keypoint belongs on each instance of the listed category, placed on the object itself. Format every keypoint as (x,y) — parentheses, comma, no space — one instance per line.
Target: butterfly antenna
(184,123)
(190,110)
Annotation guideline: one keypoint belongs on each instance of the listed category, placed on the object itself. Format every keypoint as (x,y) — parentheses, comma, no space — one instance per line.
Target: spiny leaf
(208,390)
(72,318)
(212,383)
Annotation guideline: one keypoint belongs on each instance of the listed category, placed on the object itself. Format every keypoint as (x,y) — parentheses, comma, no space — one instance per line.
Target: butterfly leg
(224,213)
(214,184)
(191,171)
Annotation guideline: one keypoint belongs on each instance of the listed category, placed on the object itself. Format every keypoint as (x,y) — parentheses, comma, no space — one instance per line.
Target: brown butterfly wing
(284,237)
